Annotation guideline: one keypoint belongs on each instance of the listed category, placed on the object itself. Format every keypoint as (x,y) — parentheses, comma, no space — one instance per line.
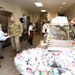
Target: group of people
(46,30)
(15,30)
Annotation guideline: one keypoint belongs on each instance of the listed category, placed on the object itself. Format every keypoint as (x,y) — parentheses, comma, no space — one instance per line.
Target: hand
(20,35)
(5,34)
(9,36)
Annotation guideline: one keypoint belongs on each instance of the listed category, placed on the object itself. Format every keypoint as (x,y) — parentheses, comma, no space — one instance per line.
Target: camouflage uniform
(14,30)
(72,33)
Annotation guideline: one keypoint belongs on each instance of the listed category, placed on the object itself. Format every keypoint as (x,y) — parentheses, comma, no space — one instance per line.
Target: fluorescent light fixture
(43,10)
(64,3)
(38,4)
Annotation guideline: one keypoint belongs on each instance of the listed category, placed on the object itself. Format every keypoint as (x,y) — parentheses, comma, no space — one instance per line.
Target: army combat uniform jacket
(15,28)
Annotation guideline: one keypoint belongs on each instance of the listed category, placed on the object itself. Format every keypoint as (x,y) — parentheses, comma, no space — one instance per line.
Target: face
(12,18)
(72,22)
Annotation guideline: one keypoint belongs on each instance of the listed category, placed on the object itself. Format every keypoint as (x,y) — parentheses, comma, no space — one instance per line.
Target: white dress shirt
(2,36)
(29,29)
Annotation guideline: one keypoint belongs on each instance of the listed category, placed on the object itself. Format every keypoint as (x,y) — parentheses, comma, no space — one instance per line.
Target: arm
(20,28)
(2,36)
(8,29)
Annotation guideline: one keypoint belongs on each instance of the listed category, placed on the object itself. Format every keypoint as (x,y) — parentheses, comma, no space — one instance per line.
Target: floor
(7,64)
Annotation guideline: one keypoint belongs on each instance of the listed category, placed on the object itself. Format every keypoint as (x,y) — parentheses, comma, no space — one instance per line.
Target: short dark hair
(31,23)
(21,19)
(48,21)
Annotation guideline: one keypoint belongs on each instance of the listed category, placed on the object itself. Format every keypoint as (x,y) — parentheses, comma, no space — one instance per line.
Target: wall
(17,10)
(51,15)
(36,16)
(70,13)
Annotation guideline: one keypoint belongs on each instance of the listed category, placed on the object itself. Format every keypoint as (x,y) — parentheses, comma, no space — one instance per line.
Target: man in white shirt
(46,28)
(3,37)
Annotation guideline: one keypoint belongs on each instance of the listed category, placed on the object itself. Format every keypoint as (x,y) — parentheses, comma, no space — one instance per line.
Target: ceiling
(48,5)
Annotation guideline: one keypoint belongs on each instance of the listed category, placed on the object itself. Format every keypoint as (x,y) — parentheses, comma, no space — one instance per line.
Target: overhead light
(64,3)
(38,4)
(43,10)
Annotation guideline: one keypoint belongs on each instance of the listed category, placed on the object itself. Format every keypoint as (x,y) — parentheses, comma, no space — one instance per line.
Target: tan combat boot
(18,52)
(13,53)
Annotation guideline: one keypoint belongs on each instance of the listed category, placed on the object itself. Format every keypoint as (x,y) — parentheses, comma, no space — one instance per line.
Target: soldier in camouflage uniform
(15,29)
(72,28)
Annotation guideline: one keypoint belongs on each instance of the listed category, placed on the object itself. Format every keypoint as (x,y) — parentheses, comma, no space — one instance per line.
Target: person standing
(72,29)
(46,28)
(15,30)
(3,37)
(31,33)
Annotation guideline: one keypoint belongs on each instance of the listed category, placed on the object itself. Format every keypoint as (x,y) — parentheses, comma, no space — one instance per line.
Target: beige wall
(51,15)
(17,10)
(70,13)
(36,16)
